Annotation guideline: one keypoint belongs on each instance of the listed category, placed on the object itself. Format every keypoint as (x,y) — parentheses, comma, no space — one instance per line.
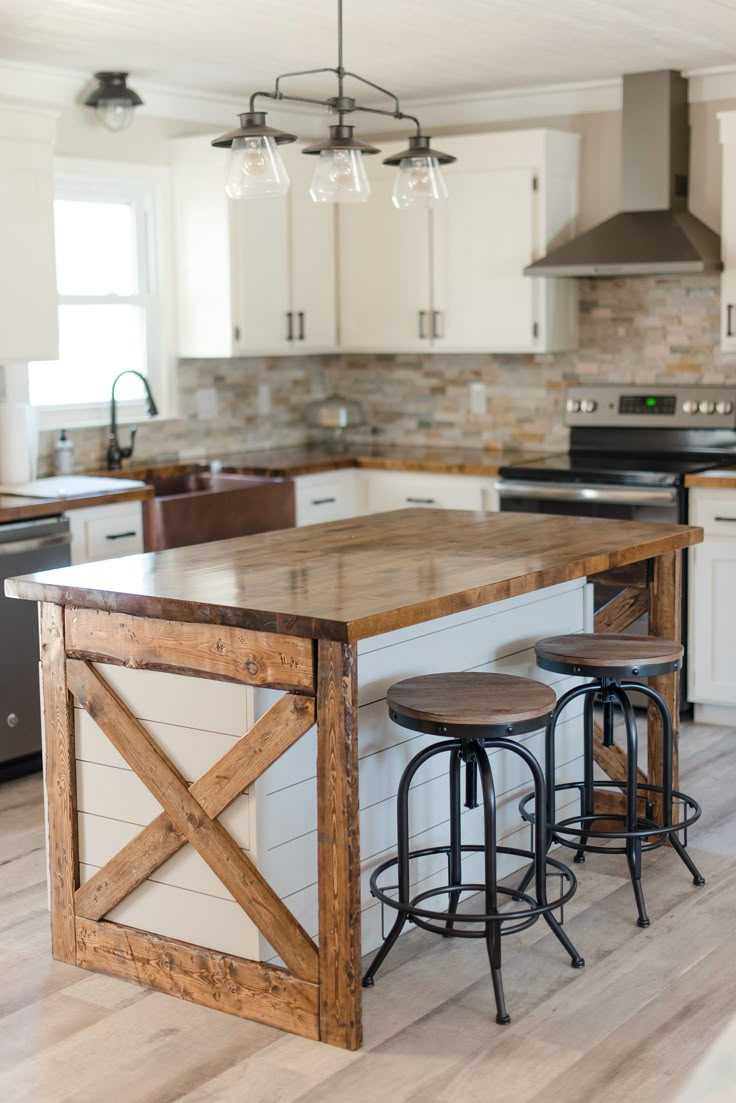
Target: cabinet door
(312,262)
(728,234)
(260,274)
(483,238)
(331,496)
(106,532)
(27,272)
(712,620)
(389,490)
(383,270)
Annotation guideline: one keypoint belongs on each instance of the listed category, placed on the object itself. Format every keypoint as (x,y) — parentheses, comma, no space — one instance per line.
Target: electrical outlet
(264,399)
(206,403)
(477,397)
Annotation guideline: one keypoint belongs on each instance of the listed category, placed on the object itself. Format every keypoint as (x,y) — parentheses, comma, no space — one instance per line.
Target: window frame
(147,189)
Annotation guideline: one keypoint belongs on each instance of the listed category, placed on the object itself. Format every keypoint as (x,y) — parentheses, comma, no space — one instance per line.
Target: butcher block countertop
(23,507)
(721,478)
(348,580)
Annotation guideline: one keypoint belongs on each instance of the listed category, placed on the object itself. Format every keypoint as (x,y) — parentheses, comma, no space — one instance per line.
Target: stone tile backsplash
(638,331)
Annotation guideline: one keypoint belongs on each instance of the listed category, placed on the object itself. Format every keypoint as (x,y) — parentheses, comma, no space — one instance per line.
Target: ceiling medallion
(256,170)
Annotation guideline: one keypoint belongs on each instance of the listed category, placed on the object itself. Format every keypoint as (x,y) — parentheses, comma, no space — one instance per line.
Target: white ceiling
(418,48)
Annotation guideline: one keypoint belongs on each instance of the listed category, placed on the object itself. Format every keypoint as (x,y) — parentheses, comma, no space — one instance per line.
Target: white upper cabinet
(451,279)
(27,268)
(384,269)
(254,277)
(727,121)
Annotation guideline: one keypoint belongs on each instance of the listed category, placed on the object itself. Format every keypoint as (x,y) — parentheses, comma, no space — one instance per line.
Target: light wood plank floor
(631,1025)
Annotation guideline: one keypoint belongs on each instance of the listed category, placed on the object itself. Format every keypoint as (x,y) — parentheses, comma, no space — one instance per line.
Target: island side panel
(60,773)
(338,831)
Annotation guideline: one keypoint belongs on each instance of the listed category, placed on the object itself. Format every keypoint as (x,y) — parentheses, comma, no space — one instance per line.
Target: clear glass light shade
(419,183)
(255,169)
(340,177)
(116,114)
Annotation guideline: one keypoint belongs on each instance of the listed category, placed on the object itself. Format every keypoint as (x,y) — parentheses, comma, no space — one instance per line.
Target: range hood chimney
(655,234)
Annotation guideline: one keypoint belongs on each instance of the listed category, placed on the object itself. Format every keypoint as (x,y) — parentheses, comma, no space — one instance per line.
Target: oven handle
(564,492)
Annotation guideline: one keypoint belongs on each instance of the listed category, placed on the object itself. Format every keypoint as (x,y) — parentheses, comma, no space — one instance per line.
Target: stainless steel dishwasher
(25,547)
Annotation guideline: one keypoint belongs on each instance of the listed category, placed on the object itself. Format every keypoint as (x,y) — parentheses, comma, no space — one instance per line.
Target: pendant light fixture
(255,168)
(113,101)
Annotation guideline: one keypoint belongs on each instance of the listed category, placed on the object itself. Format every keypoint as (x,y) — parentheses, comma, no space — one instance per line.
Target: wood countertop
(17,508)
(313,459)
(348,580)
(721,478)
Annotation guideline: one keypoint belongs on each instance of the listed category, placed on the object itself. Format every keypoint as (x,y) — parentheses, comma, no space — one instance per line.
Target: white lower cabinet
(106,532)
(335,495)
(712,605)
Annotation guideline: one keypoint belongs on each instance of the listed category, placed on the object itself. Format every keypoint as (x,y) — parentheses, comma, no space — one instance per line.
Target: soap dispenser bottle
(63,455)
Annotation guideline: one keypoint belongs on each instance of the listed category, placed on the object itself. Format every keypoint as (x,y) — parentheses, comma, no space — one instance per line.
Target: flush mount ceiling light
(113,101)
(255,168)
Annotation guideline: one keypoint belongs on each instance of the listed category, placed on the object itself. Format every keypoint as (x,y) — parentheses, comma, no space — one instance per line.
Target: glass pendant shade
(340,177)
(114,114)
(255,169)
(419,183)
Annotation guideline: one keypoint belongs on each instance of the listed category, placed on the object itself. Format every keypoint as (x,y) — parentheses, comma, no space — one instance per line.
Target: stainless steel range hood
(655,233)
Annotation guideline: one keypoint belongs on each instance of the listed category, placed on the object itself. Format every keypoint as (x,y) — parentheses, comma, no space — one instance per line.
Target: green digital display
(651,402)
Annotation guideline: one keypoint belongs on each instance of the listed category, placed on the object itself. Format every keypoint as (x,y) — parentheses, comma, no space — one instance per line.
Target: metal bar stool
(473,712)
(611,661)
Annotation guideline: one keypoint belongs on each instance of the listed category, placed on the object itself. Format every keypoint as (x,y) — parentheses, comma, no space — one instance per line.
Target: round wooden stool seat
(603,655)
(470,705)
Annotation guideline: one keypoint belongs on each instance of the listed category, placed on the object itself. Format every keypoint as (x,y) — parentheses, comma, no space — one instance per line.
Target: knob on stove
(572,405)
(724,407)
(588,405)
(689,406)
(706,406)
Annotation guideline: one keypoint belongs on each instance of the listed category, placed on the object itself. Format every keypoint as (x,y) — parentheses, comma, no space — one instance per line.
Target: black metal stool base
(492,923)
(638,833)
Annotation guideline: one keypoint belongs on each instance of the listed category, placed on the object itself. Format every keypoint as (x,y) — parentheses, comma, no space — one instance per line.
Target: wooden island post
(286,610)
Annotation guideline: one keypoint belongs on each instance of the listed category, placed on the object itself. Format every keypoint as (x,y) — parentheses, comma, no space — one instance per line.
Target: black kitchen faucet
(115,453)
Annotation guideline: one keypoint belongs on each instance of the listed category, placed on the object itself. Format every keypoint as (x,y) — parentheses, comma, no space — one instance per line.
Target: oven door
(623,503)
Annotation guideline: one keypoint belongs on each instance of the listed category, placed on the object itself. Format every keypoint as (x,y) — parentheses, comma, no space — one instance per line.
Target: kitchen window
(111,252)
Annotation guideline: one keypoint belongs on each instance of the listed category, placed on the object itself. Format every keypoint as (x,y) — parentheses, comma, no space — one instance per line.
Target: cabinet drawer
(106,532)
(401,490)
(714,510)
(327,497)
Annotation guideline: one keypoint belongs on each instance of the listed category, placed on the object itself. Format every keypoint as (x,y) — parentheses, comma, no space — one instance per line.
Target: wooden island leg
(340,993)
(60,774)
(665,620)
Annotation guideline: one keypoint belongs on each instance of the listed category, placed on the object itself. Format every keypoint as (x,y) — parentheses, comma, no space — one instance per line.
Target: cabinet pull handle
(437,330)
(423,501)
(120,535)
(422,325)
(289,325)
(726,519)
(729,320)
(322,501)
(300,316)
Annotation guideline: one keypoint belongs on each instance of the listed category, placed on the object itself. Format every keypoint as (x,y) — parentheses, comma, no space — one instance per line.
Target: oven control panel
(689,407)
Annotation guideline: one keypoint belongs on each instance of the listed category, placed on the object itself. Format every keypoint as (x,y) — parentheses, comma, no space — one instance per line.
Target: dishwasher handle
(564,492)
(20,547)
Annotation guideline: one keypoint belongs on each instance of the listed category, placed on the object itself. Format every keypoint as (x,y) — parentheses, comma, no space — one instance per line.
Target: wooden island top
(284,610)
(348,580)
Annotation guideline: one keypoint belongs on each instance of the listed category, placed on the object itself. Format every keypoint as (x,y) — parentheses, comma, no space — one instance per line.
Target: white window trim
(152,183)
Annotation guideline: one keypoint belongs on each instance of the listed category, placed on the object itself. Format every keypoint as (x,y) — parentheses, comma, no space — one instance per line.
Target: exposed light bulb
(340,177)
(115,114)
(419,183)
(255,169)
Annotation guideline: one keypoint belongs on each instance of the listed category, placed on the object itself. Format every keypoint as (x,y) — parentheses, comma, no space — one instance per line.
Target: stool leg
(402,833)
(633,846)
(493,928)
(455,855)
(667,739)
(588,797)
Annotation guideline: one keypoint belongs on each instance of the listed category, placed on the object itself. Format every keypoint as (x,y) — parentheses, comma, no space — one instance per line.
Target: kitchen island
(290,619)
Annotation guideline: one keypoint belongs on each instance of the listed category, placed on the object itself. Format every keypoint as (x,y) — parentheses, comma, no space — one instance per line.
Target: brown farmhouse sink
(193,506)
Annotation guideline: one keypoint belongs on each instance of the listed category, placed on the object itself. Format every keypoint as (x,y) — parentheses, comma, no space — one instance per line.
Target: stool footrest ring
(646,828)
(522,919)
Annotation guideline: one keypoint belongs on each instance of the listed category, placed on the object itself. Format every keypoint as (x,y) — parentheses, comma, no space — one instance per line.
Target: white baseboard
(715,714)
